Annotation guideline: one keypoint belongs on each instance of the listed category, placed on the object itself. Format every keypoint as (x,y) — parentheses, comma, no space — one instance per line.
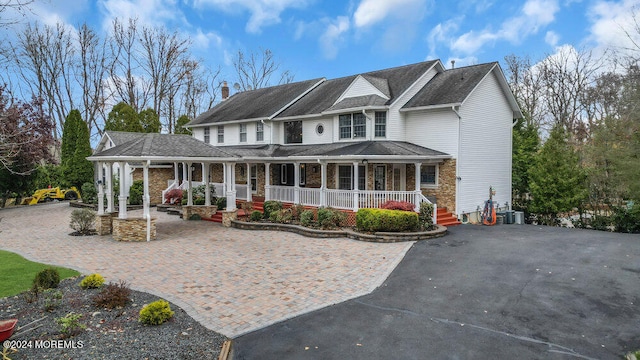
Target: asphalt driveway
(503,292)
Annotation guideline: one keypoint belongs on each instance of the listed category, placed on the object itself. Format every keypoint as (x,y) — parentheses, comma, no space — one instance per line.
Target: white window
(429,175)
(220,134)
(207,135)
(345,177)
(259,131)
(352,126)
(243,132)
(381,124)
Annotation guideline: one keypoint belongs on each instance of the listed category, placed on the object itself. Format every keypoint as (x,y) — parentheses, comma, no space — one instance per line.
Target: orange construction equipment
(489,212)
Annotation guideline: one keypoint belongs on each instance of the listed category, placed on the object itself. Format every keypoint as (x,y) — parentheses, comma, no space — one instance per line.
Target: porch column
(418,192)
(356,191)
(249,195)
(267,182)
(231,192)
(109,180)
(323,184)
(207,188)
(100,188)
(122,199)
(224,179)
(190,189)
(146,199)
(296,183)
(184,172)
(202,172)
(176,176)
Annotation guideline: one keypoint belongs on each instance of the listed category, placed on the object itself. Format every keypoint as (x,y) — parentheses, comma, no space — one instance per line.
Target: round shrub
(256,215)
(82,220)
(375,220)
(270,207)
(329,218)
(113,296)
(47,279)
(281,216)
(135,192)
(92,281)
(307,218)
(156,313)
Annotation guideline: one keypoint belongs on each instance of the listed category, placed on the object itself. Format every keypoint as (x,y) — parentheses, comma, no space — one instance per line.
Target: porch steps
(446,218)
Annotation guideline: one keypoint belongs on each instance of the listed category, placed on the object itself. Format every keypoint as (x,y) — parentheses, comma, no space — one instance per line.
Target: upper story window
(381,124)
(243,132)
(429,175)
(220,134)
(293,132)
(259,131)
(352,126)
(207,135)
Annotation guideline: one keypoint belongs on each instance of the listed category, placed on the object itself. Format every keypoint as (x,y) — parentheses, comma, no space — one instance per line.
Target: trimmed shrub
(256,215)
(221,203)
(271,206)
(136,191)
(425,216)
(113,296)
(296,210)
(307,218)
(82,220)
(329,218)
(398,205)
(383,220)
(89,193)
(92,281)
(156,313)
(173,196)
(46,279)
(281,216)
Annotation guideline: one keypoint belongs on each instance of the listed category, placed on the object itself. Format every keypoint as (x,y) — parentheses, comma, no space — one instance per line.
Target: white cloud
(535,14)
(370,12)
(203,40)
(263,12)
(442,33)
(334,35)
(552,38)
(148,12)
(613,23)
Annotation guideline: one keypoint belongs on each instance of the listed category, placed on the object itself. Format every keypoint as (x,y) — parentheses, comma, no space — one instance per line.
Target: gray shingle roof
(121,137)
(379,83)
(359,101)
(254,104)
(164,145)
(451,86)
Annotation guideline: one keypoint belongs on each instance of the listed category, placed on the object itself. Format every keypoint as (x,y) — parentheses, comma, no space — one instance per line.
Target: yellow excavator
(50,194)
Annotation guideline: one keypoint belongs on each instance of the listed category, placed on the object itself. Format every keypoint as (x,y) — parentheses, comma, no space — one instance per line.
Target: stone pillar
(267,181)
(229,215)
(356,191)
(122,199)
(296,183)
(103,224)
(249,195)
(323,185)
(100,188)
(109,179)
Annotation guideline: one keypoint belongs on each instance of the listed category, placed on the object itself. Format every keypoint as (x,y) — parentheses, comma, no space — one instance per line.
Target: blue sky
(315,38)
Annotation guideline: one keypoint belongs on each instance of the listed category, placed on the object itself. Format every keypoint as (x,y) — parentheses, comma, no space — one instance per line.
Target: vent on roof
(453,64)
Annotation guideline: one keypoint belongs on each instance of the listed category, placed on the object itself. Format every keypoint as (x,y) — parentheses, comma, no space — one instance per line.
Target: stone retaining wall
(203,210)
(132,229)
(103,224)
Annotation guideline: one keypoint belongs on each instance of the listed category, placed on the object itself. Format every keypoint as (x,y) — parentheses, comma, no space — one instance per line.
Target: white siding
(395,120)
(434,129)
(198,133)
(309,134)
(360,87)
(485,149)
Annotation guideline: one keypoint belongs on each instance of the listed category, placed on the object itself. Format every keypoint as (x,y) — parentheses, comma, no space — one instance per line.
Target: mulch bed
(109,334)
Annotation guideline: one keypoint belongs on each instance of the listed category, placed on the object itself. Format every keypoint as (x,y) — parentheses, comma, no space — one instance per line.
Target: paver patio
(232,281)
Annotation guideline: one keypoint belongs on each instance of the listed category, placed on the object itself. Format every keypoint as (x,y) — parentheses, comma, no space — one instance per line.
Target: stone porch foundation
(203,210)
(103,224)
(227,216)
(132,229)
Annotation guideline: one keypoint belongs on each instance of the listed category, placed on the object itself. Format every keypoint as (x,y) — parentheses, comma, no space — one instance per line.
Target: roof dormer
(364,86)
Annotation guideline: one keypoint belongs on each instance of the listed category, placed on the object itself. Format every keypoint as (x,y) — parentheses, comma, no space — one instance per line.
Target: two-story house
(411,133)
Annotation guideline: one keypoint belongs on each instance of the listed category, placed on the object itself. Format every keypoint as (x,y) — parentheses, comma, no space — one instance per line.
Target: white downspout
(458,178)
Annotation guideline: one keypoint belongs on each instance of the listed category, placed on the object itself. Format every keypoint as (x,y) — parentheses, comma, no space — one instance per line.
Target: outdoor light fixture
(365,161)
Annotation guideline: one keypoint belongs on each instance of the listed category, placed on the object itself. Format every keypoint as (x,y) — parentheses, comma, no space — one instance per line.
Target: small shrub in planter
(329,218)
(282,216)
(307,218)
(383,220)
(256,215)
(425,216)
(398,205)
(89,193)
(136,191)
(46,279)
(156,313)
(82,220)
(271,206)
(296,211)
(52,299)
(92,281)
(221,203)
(113,296)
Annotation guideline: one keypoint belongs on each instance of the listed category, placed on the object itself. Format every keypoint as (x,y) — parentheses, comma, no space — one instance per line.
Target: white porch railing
(375,198)
(241,191)
(339,199)
(309,196)
(282,193)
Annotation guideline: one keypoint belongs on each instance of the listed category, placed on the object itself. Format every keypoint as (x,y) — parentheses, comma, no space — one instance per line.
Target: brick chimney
(225,90)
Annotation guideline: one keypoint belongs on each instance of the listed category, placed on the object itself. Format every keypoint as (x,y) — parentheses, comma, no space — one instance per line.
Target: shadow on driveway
(502,292)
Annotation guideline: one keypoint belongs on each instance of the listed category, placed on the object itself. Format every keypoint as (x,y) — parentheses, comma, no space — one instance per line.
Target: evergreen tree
(150,121)
(556,179)
(180,129)
(525,146)
(81,168)
(123,118)
(69,136)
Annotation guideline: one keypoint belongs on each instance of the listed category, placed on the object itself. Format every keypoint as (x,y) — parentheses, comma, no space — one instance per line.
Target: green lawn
(17,273)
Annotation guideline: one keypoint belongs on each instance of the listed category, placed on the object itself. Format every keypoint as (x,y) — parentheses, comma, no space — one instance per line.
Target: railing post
(435,213)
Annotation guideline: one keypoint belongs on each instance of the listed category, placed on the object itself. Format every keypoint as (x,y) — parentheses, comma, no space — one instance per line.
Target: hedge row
(383,220)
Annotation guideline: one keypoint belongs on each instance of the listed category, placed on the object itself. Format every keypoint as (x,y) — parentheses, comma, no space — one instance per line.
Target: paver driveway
(232,281)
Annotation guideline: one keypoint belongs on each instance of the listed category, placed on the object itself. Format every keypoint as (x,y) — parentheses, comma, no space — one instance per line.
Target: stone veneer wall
(158,179)
(103,224)
(132,229)
(202,210)
(445,193)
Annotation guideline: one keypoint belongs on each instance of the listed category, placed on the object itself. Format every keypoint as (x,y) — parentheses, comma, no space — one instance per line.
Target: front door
(399,177)
(380,177)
